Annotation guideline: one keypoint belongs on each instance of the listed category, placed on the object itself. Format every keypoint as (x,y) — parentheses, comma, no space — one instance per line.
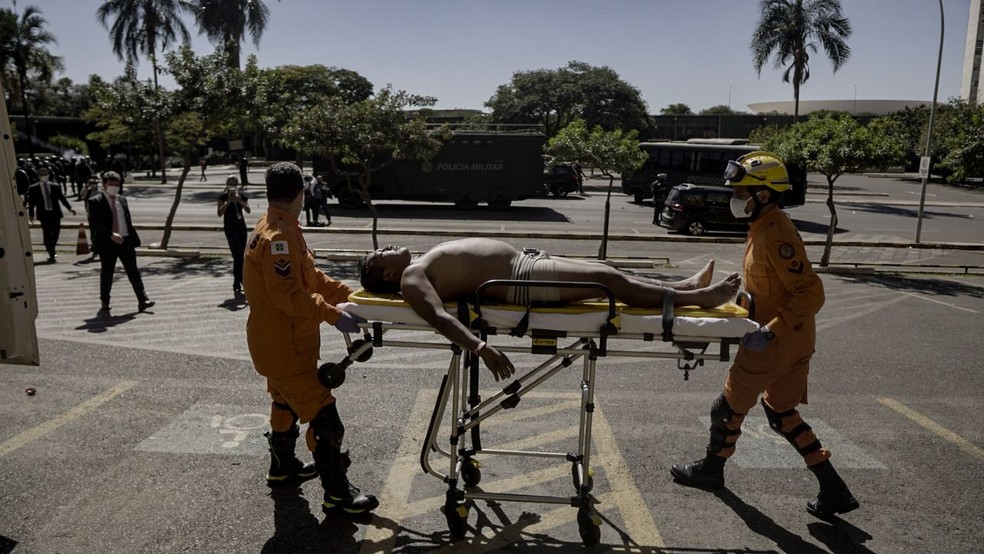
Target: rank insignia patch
(786,251)
(282,267)
(279,248)
(795,267)
(254,242)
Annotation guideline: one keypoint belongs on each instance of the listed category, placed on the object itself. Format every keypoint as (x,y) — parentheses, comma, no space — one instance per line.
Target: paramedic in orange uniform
(289,298)
(775,360)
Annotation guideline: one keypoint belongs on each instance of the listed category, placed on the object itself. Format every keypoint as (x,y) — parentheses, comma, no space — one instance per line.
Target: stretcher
(586,331)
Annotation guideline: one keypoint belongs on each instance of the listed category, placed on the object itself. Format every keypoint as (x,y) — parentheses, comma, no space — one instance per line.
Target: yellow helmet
(758,169)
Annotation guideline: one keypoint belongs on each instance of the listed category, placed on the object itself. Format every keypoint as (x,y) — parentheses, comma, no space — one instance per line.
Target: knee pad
(791,426)
(328,428)
(725,422)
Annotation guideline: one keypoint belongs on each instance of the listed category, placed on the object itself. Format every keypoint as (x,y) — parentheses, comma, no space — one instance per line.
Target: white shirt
(120,216)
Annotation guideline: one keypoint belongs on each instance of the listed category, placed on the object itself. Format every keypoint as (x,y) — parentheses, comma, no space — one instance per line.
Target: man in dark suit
(114,237)
(43,198)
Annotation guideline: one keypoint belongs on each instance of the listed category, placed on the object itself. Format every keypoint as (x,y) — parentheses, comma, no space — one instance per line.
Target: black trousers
(50,230)
(236,237)
(127,255)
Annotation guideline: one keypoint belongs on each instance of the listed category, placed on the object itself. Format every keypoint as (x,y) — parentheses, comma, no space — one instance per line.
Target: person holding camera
(231,205)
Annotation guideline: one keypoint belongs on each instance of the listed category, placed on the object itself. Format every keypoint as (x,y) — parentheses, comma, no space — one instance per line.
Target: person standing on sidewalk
(289,298)
(231,205)
(773,361)
(321,194)
(43,198)
(202,164)
(115,238)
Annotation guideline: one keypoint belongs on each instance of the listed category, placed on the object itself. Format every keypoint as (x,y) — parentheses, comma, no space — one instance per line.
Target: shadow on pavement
(815,228)
(840,536)
(929,285)
(451,212)
(901,211)
(762,524)
(100,323)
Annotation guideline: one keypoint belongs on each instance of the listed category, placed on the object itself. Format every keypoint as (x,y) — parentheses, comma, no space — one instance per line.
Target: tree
(720,109)
(24,53)
(226,23)
(363,137)
(833,146)
(609,152)
(676,109)
(791,29)
(553,98)
(291,90)
(143,27)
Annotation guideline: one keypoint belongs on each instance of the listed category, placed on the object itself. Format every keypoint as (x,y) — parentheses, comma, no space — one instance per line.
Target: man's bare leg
(713,296)
(699,280)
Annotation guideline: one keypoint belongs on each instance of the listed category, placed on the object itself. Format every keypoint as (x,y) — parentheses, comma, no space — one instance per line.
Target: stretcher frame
(459,394)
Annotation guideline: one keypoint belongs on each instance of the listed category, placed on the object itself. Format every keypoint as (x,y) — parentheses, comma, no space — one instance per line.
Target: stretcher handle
(560,284)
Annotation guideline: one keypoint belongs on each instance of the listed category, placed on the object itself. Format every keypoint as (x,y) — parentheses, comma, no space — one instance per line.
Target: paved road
(145,433)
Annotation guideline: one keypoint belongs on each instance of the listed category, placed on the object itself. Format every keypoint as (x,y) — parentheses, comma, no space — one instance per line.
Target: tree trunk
(825,259)
(365,181)
(603,253)
(174,205)
(157,123)
(27,114)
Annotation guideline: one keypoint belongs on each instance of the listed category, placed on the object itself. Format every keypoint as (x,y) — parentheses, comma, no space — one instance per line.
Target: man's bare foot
(699,280)
(719,293)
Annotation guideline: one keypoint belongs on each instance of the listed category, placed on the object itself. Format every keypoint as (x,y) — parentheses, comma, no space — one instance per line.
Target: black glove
(349,323)
(757,341)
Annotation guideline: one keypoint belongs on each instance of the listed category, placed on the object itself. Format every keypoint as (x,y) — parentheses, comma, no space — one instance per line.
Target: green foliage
(143,27)
(553,98)
(126,110)
(791,29)
(70,143)
(608,151)
(718,110)
(226,23)
(676,109)
(25,62)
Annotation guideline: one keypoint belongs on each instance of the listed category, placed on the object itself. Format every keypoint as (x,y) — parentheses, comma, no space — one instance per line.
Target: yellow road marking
(934,427)
(20,440)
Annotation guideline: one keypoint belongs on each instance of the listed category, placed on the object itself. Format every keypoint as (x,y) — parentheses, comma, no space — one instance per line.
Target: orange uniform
(787,294)
(288,298)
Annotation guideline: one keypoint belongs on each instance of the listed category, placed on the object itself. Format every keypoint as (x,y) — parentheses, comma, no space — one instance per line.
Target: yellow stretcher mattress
(726,321)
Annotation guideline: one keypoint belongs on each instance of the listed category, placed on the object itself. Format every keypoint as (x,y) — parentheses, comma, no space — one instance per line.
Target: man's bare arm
(419,292)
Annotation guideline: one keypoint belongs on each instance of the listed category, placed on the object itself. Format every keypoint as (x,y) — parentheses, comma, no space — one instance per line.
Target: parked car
(560,179)
(696,209)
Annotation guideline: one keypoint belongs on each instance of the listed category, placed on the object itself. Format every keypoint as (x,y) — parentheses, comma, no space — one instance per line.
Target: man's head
(284,185)
(759,176)
(111,182)
(43,174)
(380,271)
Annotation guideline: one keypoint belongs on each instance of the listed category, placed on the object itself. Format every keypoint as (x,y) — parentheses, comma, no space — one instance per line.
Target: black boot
(285,468)
(834,497)
(339,493)
(145,303)
(703,474)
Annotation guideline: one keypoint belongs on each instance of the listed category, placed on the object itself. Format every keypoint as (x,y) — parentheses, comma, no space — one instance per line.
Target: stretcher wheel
(470,472)
(457,516)
(356,344)
(589,526)
(577,485)
(331,375)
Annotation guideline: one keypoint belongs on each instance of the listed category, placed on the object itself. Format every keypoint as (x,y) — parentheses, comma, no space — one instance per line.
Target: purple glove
(757,341)
(349,323)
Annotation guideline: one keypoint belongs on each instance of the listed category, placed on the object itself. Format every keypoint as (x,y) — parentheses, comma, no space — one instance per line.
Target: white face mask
(738,208)
(112,190)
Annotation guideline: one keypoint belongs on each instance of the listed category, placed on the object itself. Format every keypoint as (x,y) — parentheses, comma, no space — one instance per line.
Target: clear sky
(459,51)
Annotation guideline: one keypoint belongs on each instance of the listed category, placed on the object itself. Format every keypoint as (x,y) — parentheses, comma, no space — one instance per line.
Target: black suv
(560,179)
(696,209)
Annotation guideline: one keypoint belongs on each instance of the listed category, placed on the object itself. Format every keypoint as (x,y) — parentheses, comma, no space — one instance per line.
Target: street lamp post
(929,131)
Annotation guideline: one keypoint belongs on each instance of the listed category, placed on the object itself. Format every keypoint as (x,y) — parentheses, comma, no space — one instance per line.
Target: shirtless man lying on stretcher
(454,270)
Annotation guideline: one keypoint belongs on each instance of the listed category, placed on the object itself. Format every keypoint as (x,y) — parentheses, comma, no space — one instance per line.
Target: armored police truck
(473,167)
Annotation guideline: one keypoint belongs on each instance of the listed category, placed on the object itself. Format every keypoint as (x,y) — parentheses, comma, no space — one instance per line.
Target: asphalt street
(145,431)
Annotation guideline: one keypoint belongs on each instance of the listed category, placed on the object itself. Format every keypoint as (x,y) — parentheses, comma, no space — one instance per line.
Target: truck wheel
(499,203)
(638,196)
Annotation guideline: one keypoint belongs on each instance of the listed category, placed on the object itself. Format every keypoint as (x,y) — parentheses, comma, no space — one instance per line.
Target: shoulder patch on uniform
(795,267)
(254,242)
(786,251)
(282,267)
(279,248)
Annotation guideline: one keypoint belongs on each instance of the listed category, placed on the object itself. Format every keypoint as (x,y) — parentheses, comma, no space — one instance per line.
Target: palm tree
(23,49)
(226,22)
(140,27)
(791,30)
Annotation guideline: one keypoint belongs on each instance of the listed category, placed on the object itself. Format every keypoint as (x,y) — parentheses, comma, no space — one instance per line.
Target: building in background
(971,88)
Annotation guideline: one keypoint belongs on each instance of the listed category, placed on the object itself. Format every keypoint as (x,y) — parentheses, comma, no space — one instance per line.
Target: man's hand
(757,341)
(349,323)
(497,362)
(117,238)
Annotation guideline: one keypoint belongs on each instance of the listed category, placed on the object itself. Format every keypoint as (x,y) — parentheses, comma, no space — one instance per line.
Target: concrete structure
(971,88)
(855,107)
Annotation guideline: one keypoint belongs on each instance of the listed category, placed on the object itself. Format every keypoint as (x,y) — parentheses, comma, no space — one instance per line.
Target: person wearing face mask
(115,238)
(289,298)
(773,361)
(43,200)
(231,205)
